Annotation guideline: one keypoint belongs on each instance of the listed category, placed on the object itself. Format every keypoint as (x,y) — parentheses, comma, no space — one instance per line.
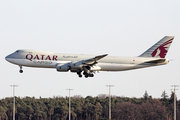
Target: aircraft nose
(7,58)
(10,58)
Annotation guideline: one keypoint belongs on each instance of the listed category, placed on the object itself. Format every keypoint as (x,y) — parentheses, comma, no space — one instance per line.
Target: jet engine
(63,67)
(78,67)
(75,66)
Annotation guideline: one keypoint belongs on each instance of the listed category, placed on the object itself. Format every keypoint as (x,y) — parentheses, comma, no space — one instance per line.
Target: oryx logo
(162,50)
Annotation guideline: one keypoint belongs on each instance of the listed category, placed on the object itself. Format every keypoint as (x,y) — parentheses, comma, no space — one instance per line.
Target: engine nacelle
(76,65)
(63,67)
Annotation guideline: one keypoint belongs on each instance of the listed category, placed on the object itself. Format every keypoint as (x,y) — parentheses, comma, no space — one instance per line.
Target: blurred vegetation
(90,108)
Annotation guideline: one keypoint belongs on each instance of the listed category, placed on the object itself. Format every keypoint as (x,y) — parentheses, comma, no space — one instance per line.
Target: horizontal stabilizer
(156,61)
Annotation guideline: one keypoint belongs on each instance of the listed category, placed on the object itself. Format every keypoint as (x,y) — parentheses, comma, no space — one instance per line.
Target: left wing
(93,61)
(79,65)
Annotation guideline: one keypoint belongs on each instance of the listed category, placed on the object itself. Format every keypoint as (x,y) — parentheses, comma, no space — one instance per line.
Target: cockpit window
(17,51)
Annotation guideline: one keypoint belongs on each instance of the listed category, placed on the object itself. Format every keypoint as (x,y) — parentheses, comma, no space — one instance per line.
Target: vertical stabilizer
(160,49)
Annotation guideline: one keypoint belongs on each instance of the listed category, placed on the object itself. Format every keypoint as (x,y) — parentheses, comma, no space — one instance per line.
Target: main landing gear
(86,74)
(79,74)
(21,71)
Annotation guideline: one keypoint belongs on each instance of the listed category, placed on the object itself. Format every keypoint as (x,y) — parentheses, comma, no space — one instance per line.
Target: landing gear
(91,75)
(79,74)
(86,75)
(86,72)
(21,71)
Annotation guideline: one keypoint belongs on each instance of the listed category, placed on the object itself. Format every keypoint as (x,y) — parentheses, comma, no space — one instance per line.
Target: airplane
(89,64)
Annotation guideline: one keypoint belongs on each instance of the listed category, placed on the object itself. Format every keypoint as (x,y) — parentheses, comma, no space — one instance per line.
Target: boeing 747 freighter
(89,64)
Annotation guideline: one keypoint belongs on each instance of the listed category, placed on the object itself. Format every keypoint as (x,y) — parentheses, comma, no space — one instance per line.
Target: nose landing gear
(21,71)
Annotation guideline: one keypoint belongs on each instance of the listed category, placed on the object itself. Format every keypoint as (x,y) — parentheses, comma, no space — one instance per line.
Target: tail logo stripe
(162,50)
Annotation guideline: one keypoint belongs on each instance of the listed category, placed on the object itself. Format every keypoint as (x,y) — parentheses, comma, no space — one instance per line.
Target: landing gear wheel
(84,73)
(86,76)
(80,76)
(21,71)
(91,75)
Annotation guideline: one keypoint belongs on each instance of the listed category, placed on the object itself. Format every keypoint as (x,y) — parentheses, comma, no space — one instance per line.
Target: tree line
(90,108)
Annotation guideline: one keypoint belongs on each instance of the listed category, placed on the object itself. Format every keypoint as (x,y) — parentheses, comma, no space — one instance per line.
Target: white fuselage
(32,58)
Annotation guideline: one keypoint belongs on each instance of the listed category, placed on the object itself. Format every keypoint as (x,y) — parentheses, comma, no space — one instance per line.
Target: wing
(93,61)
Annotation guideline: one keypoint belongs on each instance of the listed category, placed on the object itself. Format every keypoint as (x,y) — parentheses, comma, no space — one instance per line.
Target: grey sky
(116,27)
